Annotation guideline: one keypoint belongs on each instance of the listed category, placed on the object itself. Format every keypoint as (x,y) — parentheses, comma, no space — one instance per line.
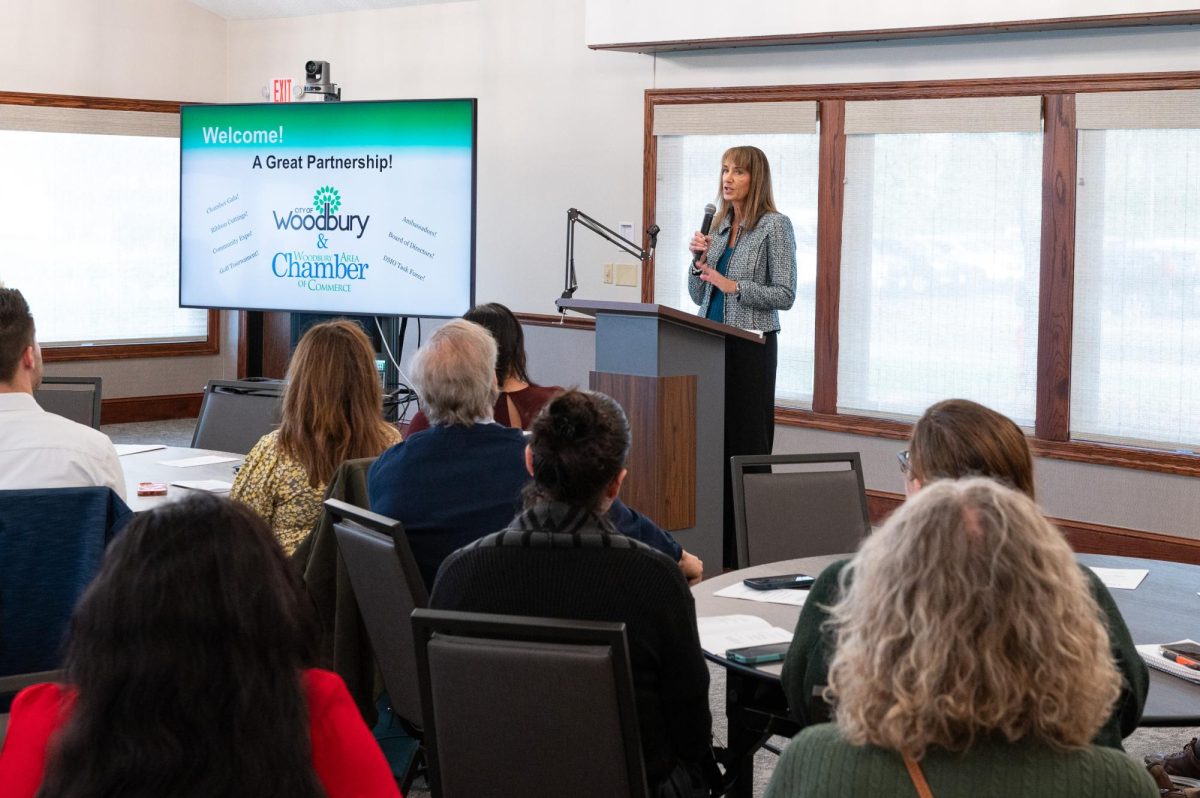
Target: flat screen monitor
(329,207)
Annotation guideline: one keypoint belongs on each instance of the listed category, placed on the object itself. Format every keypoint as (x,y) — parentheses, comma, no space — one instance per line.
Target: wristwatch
(737,290)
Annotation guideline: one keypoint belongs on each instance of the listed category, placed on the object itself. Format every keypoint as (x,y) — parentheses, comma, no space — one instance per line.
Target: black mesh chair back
(519,706)
(798,505)
(388,587)
(76,398)
(234,414)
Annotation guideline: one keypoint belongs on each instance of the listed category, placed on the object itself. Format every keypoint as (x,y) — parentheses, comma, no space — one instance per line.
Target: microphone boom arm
(574,216)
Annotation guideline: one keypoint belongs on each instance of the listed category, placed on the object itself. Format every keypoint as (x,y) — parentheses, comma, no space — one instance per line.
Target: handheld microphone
(709,211)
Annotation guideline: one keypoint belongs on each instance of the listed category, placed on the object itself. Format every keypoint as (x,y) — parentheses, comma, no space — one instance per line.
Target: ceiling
(272,9)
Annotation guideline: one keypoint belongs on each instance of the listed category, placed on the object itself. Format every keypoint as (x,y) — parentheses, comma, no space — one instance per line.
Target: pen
(1180,659)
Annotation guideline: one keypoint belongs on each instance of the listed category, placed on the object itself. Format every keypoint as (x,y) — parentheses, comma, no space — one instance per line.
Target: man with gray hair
(462,478)
(40,449)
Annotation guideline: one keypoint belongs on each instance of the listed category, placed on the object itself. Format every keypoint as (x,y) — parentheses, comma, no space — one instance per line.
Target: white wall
(144,49)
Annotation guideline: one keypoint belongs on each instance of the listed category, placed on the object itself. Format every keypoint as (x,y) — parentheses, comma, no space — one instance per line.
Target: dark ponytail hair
(186,652)
(580,443)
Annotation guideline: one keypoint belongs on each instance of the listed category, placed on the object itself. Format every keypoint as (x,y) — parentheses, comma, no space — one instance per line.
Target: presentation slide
(365,208)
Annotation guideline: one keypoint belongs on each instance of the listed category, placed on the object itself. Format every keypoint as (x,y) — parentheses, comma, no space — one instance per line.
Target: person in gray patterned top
(743,275)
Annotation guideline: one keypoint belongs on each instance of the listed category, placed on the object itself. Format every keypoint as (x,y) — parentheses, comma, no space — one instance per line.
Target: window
(91,226)
(1029,243)
(688,171)
(1136,347)
(940,256)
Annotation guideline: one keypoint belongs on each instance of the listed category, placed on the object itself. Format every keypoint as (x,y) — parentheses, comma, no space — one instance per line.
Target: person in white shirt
(40,449)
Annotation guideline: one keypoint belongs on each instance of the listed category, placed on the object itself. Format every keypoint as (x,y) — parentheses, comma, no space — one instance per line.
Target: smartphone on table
(758,655)
(785,582)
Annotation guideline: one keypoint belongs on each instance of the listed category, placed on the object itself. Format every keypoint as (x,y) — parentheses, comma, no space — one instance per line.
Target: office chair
(518,706)
(234,414)
(782,515)
(52,542)
(388,587)
(76,398)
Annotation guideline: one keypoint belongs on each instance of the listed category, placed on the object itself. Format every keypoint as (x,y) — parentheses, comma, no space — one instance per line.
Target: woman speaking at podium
(742,275)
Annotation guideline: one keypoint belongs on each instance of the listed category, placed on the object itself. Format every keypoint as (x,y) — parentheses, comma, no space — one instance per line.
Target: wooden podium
(667,369)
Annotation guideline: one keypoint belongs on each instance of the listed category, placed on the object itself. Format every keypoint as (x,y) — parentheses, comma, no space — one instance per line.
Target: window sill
(1105,454)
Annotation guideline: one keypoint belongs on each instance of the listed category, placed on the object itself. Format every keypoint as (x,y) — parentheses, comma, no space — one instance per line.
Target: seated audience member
(954,439)
(562,558)
(971,655)
(40,449)
(332,412)
(187,676)
(520,399)
(461,479)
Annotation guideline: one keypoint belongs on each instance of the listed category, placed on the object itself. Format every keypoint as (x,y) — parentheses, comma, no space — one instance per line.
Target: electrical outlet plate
(627,274)
(608,273)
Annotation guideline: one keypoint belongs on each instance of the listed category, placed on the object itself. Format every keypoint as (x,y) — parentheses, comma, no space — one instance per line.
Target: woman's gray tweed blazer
(764,266)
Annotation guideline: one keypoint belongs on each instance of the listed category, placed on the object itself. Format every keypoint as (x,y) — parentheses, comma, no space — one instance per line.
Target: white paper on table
(136,448)
(210,485)
(189,462)
(720,633)
(1121,578)
(738,590)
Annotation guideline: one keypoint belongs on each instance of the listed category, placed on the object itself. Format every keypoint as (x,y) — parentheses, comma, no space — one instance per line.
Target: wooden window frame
(1051,436)
(211,344)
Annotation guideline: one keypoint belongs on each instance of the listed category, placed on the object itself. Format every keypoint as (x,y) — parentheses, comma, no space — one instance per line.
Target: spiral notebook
(1152,654)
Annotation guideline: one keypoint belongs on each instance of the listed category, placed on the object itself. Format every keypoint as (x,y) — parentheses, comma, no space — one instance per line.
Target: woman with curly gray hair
(955,439)
(971,660)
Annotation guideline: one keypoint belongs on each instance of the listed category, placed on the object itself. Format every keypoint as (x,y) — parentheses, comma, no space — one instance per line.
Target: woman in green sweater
(954,439)
(971,661)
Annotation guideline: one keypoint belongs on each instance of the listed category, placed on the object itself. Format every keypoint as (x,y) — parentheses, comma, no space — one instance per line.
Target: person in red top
(187,677)
(520,399)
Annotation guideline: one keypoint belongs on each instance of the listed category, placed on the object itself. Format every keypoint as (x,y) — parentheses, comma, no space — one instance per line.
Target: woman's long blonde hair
(760,198)
(966,616)
(332,408)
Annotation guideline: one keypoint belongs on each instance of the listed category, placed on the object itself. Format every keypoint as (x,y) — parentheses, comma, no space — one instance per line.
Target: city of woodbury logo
(321,271)
(327,199)
(323,216)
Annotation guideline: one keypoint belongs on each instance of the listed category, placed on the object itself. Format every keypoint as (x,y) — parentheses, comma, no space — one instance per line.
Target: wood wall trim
(1079,451)
(923,89)
(209,346)
(918,32)
(649,192)
(556,320)
(130,409)
(1111,454)
(1056,293)
(831,192)
(841,422)
(93,103)
(1084,537)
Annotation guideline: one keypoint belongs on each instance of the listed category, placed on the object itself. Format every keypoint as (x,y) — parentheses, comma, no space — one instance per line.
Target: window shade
(735,118)
(965,115)
(1136,110)
(88,120)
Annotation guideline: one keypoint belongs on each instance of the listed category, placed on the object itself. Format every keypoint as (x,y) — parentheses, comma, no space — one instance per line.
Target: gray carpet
(179,433)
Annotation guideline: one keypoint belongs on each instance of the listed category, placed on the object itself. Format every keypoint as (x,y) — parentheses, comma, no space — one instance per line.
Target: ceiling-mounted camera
(316,81)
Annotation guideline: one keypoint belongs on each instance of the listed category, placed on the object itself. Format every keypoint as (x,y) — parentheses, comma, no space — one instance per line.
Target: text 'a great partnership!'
(380,163)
